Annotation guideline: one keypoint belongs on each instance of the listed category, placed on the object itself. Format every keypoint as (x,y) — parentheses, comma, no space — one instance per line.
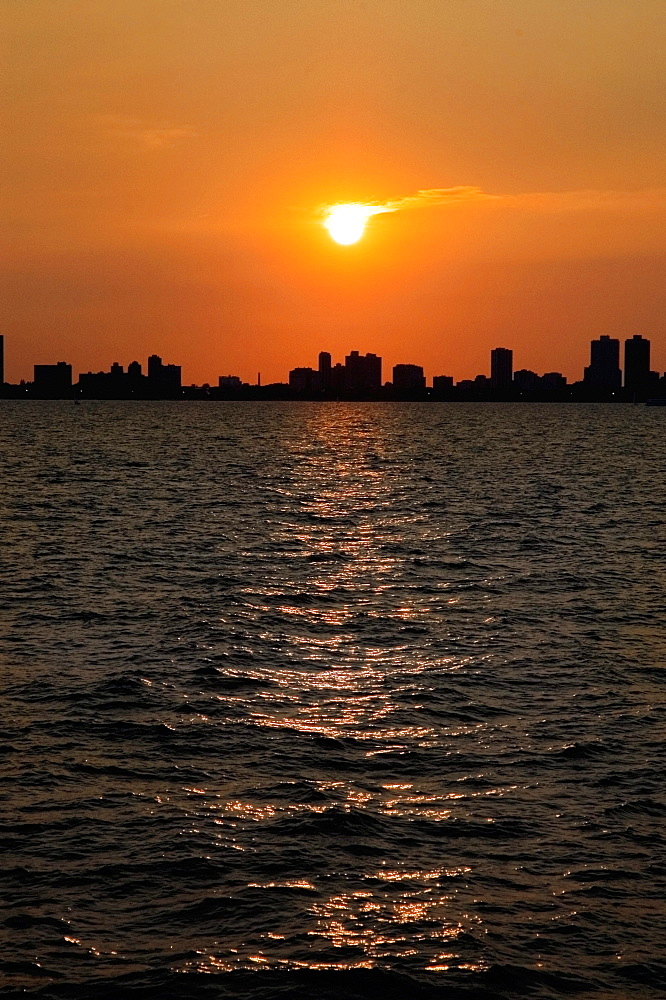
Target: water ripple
(333,700)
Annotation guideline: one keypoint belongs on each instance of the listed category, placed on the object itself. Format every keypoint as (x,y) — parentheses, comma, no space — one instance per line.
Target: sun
(346,223)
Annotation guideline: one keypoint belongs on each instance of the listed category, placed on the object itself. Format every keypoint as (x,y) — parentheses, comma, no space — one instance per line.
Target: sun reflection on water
(352,640)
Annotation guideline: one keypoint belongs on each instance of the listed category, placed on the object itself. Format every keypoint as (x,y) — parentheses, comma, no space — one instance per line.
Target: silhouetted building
(475,388)
(135,381)
(408,378)
(338,377)
(637,365)
(97,385)
(442,383)
(93,385)
(154,366)
(305,380)
(172,377)
(229,382)
(554,381)
(118,380)
(164,380)
(363,372)
(53,380)
(526,380)
(501,367)
(2,359)
(603,372)
(325,370)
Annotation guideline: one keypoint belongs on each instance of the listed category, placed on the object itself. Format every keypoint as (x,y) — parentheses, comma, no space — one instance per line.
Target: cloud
(649,200)
(422,199)
(437,196)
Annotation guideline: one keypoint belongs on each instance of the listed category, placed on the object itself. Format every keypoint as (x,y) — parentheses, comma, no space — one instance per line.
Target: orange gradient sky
(165,163)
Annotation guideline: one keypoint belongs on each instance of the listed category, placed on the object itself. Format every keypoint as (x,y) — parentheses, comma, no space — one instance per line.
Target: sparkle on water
(355,689)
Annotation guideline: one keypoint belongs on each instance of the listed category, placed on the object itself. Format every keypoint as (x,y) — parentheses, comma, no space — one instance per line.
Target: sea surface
(333,700)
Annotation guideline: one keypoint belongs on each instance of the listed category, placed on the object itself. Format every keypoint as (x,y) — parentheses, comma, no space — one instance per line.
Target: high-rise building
(636,364)
(304,380)
(363,372)
(501,367)
(408,378)
(442,384)
(154,366)
(53,380)
(603,372)
(2,359)
(526,380)
(338,374)
(325,370)
(165,380)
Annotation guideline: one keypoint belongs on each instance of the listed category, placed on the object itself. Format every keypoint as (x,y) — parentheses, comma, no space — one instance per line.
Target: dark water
(333,700)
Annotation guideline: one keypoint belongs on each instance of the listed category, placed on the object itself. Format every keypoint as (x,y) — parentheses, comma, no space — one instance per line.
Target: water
(333,700)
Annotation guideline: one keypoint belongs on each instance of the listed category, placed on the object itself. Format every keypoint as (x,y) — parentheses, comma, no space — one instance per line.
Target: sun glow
(346,223)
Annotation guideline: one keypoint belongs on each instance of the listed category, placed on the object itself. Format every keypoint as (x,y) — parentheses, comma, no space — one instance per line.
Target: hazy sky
(164,162)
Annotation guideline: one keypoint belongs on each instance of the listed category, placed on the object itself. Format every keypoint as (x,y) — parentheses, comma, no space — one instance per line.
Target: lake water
(333,700)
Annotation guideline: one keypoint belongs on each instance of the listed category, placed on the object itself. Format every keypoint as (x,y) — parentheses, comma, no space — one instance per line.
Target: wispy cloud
(653,199)
(423,199)
(437,196)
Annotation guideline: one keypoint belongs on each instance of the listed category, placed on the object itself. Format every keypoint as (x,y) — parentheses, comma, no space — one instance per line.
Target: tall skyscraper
(163,379)
(154,366)
(2,359)
(363,372)
(636,364)
(603,372)
(325,370)
(501,367)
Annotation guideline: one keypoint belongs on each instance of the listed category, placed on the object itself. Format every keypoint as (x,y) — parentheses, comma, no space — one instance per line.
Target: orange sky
(164,161)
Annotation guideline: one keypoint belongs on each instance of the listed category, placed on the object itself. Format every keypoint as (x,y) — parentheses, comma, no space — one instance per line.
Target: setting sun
(346,223)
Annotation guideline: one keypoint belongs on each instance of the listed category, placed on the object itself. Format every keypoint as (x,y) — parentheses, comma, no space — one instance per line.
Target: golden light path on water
(349,523)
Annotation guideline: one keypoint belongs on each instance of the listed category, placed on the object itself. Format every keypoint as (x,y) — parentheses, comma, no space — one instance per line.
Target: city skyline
(171,194)
(24,372)
(626,376)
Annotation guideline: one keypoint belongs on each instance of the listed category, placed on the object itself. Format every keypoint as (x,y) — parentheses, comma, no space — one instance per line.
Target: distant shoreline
(252,397)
